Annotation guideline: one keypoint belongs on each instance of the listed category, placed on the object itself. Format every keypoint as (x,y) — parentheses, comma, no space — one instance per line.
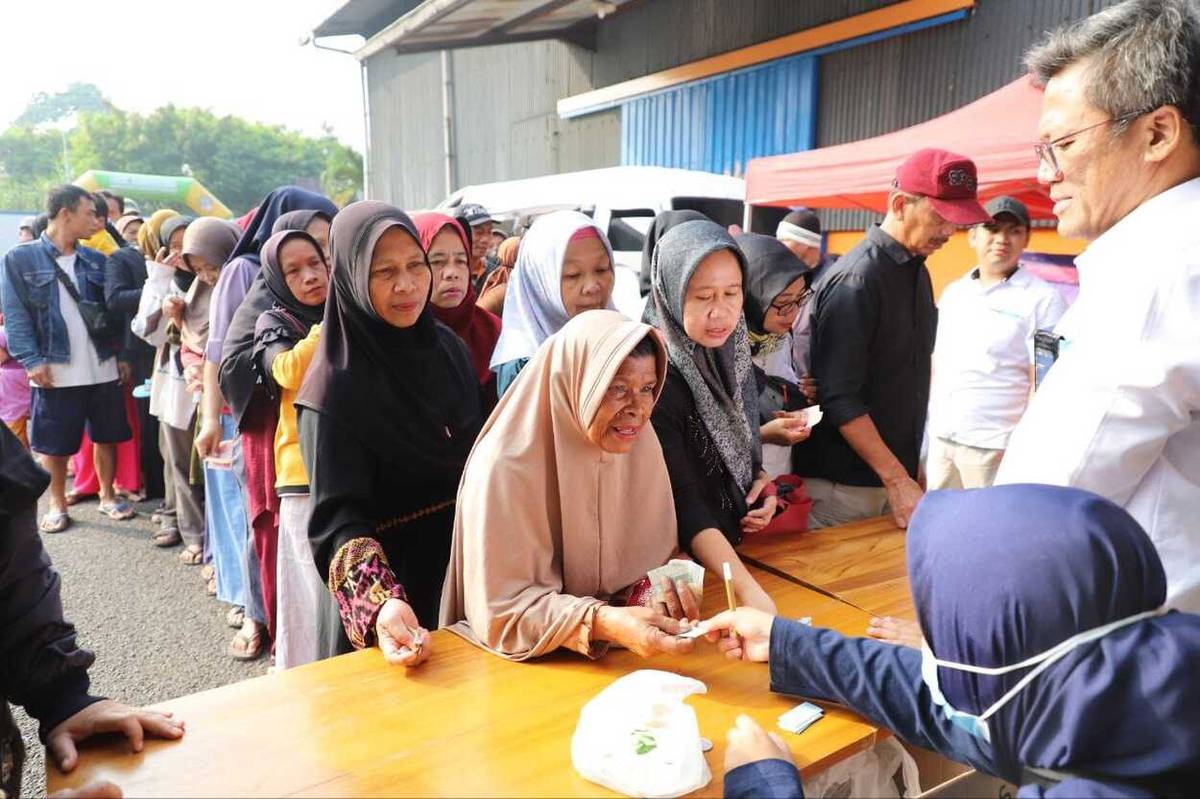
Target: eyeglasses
(1047,151)
(785,308)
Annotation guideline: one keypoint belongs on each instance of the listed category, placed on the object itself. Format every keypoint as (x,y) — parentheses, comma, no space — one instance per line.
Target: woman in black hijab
(388,413)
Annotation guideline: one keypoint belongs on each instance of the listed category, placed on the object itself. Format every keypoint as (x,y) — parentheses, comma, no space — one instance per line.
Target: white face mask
(977,725)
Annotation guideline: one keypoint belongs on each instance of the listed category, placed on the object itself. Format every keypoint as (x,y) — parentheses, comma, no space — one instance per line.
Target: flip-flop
(75,499)
(251,648)
(236,617)
(55,522)
(166,538)
(210,586)
(191,557)
(208,572)
(118,510)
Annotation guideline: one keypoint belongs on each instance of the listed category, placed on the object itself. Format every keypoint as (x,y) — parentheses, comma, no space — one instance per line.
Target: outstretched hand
(108,716)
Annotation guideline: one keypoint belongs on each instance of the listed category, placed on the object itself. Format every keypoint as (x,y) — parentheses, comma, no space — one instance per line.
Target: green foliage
(238,161)
(78,98)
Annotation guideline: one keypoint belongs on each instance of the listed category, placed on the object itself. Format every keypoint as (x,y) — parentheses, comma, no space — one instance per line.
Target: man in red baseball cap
(872,331)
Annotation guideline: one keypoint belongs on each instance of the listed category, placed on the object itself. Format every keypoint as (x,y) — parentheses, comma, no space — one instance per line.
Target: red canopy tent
(997,131)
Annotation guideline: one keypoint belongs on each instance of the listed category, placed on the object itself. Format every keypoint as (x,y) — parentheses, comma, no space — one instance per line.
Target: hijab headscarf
(523,575)
(125,221)
(662,223)
(274,205)
(288,319)
(212,239)
(1002,574)
(238,376)
(408,394)
(721,380)
(147,235)
(533,305)
(770,268)
(508,251)
(479,328)
(298,220)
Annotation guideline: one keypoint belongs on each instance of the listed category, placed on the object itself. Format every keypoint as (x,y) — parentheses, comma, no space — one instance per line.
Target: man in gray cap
(983,358)
(478,222)
(25,229)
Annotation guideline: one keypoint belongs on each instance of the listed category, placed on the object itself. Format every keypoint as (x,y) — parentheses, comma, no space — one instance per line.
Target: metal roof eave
(411,33)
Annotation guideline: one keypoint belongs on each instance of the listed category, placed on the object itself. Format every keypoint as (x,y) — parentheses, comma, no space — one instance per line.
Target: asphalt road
(155,632)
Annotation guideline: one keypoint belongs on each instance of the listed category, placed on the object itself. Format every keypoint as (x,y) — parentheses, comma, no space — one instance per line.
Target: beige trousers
(952,465)
(836,503)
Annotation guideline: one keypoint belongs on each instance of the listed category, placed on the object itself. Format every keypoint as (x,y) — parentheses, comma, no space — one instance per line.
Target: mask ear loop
(1045,659)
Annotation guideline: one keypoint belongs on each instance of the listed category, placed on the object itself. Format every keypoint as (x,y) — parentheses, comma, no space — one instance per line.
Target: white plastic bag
(867,774)
(639,738)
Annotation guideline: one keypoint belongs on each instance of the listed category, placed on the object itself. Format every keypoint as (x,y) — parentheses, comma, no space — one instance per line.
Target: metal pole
(448,120)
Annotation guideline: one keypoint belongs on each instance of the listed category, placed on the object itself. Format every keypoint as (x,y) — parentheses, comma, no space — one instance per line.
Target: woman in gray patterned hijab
(707,417)
(721,378)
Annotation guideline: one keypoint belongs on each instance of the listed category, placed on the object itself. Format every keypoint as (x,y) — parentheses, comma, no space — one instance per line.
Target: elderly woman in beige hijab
(565,505)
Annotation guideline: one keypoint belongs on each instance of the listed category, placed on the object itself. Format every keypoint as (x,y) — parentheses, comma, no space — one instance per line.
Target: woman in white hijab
(565,267)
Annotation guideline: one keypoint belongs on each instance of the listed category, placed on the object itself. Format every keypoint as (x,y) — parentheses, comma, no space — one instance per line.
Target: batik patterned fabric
(361,580)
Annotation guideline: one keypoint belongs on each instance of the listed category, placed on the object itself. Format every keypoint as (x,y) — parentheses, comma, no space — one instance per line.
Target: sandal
(117,510)
(161,515)
(246,647)
(236,617)
(132,496)
(210,587)
(208,572)
(55,521)
(167,537)
(191,556)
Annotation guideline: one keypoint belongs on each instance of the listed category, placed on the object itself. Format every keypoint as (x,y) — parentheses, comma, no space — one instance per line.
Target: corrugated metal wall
(505,97)
(718,125)
(506,124)
(892,84)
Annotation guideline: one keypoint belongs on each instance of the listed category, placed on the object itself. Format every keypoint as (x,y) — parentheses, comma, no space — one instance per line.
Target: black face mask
(183,279)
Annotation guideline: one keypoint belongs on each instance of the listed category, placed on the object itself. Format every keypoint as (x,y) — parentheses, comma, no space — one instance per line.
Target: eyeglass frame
(1045,149)
(796,304)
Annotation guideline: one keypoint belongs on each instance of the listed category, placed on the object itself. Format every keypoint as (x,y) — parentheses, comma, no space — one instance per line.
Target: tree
(78,98)
(238,161)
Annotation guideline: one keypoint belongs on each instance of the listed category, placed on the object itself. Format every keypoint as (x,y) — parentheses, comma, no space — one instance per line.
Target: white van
(623,200)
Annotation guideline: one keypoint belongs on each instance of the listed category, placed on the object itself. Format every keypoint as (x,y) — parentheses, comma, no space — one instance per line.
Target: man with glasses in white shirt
(983,358)
(1119,411)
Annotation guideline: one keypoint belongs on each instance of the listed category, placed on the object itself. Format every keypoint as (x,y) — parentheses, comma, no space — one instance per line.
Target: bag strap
(68,284)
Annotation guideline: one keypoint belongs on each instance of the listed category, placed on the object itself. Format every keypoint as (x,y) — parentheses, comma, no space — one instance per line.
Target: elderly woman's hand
(759,518)
(402,639)
(641,630)
(676,599)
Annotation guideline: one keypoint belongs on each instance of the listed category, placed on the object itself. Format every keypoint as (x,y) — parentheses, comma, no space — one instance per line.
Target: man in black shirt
(873,324)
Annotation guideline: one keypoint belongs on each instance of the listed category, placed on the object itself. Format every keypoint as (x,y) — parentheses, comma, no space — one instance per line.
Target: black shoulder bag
(101,325)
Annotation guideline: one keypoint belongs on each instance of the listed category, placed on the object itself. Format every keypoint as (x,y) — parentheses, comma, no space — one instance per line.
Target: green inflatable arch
(188,191)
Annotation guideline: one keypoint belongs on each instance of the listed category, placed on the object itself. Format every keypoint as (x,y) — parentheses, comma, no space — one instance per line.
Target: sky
(240,57)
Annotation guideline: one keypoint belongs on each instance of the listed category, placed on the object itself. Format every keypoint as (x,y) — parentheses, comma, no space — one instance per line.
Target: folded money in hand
(691,572)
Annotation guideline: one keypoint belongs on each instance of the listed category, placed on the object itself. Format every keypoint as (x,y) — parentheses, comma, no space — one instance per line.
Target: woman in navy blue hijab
(1050,660)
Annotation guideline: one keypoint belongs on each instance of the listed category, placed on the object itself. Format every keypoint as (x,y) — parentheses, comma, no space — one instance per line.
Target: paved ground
(155,632)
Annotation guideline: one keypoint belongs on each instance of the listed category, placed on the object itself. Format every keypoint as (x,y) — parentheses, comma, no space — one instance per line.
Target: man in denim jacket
(75,381)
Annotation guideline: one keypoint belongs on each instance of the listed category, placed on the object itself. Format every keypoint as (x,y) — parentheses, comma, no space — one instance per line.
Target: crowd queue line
(357,452)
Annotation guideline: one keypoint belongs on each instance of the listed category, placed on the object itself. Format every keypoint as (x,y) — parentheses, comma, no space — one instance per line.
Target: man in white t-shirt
(74,378)
(983,359)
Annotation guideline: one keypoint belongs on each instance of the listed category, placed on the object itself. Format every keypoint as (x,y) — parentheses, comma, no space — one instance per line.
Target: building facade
(699,84)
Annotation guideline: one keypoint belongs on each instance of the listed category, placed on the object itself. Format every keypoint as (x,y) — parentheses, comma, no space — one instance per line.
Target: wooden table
(466,723)
(862,563)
